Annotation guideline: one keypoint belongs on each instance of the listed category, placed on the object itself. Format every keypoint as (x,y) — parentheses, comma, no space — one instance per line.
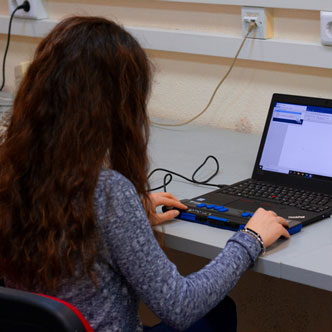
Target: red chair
(23,311)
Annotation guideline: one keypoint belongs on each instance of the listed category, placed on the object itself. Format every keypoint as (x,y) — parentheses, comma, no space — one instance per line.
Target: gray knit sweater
(131,266)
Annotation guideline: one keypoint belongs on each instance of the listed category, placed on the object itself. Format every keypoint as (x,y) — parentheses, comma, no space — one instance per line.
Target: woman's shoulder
(113,181)
(114,189)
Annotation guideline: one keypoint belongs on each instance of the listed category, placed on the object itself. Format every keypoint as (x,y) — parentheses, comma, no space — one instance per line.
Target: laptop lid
(296,145)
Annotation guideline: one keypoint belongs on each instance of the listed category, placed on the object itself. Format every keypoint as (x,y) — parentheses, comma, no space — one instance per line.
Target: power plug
(263,19)
(37,10)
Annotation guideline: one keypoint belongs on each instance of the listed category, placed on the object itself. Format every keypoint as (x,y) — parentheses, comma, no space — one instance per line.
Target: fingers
(272,213)
(283,221)
(166,216)
(260,210)
(167,199)
(269,226)
(172,202)
(285,233)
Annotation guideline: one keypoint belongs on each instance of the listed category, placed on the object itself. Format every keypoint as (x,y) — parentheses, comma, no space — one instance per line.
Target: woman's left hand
(167,199)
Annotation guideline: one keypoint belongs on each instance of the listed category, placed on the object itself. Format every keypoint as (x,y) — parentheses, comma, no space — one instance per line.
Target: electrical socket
(262,17)
(37,10)
(326,28)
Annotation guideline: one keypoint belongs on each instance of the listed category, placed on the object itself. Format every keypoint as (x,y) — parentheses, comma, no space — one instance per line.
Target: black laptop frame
(323,185)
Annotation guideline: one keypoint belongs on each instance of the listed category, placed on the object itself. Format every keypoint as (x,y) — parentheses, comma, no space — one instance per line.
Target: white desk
(306,258)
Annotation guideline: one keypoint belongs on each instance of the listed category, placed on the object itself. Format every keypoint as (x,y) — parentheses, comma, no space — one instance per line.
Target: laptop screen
(298,141)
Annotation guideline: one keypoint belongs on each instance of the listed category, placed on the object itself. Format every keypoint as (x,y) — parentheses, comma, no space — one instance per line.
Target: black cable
(199,167)
(168,175)
(192,180)
(26,7)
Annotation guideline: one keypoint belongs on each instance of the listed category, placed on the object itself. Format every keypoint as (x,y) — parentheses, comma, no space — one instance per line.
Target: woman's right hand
(268,225)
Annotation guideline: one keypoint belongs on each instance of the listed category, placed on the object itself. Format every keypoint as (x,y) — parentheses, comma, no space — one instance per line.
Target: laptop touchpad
(250,205)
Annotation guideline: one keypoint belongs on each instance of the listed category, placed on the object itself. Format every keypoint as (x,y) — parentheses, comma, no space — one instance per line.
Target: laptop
(292,174)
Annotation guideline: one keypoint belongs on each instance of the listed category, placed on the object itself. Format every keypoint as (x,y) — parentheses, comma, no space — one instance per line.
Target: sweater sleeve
(179,301)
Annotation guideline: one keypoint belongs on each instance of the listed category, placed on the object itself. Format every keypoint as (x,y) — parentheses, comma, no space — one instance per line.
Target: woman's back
(113,304)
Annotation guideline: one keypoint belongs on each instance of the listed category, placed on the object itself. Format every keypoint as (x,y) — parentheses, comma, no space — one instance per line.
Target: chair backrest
(29,312)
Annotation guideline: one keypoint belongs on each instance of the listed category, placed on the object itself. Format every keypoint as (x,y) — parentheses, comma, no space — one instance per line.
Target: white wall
(184,82)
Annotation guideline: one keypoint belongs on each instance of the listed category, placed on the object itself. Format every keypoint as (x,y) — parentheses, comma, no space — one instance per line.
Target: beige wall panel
(21,49)
(156,14)
(297,25)
(183,85)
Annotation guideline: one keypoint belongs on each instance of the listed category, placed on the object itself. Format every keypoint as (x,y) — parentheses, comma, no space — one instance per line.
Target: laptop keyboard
(303,199)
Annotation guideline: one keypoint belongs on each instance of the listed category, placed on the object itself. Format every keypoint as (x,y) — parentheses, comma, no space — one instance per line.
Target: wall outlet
(37,10)
(262,17)
(326,28)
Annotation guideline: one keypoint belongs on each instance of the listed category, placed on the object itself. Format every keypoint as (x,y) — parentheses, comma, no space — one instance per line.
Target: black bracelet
(257,237)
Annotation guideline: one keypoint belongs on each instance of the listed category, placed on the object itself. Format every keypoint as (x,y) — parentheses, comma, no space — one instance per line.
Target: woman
(73,176)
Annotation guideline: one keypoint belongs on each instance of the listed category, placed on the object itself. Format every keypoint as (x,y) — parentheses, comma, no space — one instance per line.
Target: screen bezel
(320,185)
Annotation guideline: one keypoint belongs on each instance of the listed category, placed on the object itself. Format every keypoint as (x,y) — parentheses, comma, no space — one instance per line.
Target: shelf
(288,4)
(193,42)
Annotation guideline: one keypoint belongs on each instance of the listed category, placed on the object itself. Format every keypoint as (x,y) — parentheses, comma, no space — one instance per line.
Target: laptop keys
(305,200)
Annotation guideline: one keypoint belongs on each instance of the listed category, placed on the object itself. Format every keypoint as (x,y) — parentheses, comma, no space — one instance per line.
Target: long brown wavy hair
(80,106)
